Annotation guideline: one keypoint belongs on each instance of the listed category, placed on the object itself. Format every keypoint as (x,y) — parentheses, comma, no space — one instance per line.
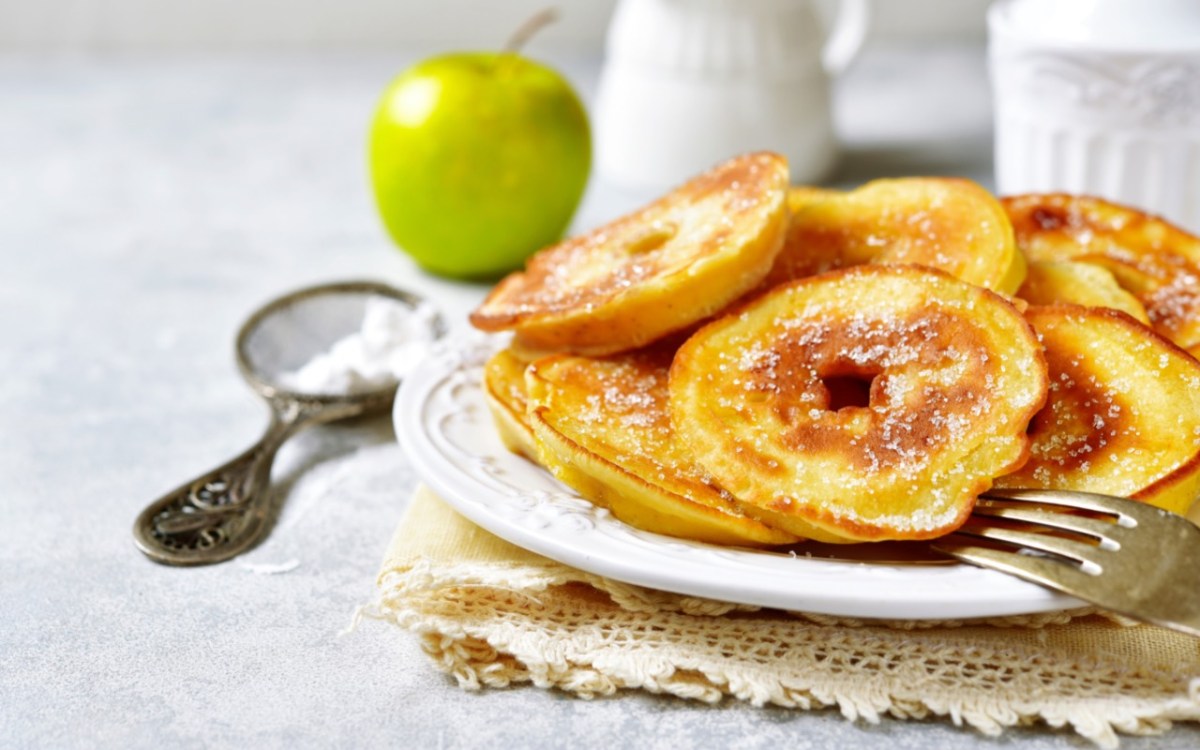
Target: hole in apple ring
(650,238)
(848,390)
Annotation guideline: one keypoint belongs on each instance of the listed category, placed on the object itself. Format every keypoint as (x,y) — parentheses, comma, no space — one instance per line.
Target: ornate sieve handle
(226,511)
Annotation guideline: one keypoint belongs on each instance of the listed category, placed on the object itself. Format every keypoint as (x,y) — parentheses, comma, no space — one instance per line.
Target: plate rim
(911,592)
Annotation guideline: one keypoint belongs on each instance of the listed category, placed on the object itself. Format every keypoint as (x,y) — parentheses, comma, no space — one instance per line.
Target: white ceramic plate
(445,427)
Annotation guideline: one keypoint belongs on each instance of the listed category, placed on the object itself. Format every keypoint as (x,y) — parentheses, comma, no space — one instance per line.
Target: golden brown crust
(1077,283)
(504,390)
(604,429)
(946,223)
(1151,258)
(1123,414)
(955,374)
(658,270)
(800,197)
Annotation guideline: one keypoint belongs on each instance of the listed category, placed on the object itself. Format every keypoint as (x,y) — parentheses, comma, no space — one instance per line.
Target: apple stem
(526,30)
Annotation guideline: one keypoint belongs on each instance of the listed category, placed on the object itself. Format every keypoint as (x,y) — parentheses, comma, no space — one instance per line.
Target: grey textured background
(146,206)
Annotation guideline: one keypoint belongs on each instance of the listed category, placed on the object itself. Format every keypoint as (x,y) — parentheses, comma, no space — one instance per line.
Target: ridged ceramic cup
(689,83)
(1099,98)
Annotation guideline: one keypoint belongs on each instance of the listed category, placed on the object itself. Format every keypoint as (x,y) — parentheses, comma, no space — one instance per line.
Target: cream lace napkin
(494,615)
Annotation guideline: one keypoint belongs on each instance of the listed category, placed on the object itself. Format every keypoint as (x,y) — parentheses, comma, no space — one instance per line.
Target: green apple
(478,160)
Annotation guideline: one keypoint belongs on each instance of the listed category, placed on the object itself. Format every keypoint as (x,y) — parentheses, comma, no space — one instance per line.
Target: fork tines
(1119,554)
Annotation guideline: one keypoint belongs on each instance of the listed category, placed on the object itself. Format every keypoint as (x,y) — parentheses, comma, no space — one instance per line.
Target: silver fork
(1121,555)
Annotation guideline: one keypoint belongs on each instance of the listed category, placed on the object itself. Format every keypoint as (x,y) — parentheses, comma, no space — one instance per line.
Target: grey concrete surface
(146,206)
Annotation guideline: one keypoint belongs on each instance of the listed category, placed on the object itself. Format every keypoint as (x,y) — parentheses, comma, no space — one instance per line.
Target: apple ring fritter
(602,428)
(1152,259)
(865,404)
(504,391)
(1123,415)
(946,223)
(653,272)
(1076,283)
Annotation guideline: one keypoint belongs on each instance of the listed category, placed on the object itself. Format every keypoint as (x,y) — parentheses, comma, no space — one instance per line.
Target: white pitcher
(689,83)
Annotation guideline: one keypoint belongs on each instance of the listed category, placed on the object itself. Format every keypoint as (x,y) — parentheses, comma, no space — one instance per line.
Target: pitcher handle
(846,36)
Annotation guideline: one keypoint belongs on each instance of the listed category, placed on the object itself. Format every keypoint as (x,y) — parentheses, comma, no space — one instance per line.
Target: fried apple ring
(653,272)
(1123,415)
(504,391)
(1075,283)
(947,376)
(946,223)
(1152,259)
(800,197)
(603,429)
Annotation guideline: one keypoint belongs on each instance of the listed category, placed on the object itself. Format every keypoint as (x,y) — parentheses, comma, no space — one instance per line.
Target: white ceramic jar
(1100,97)
(689,83)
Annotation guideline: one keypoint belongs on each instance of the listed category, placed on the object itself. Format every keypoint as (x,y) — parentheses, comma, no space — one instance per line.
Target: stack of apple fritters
(744,363)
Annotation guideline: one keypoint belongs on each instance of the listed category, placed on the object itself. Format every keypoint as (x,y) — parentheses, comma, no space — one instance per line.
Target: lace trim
(553,626)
